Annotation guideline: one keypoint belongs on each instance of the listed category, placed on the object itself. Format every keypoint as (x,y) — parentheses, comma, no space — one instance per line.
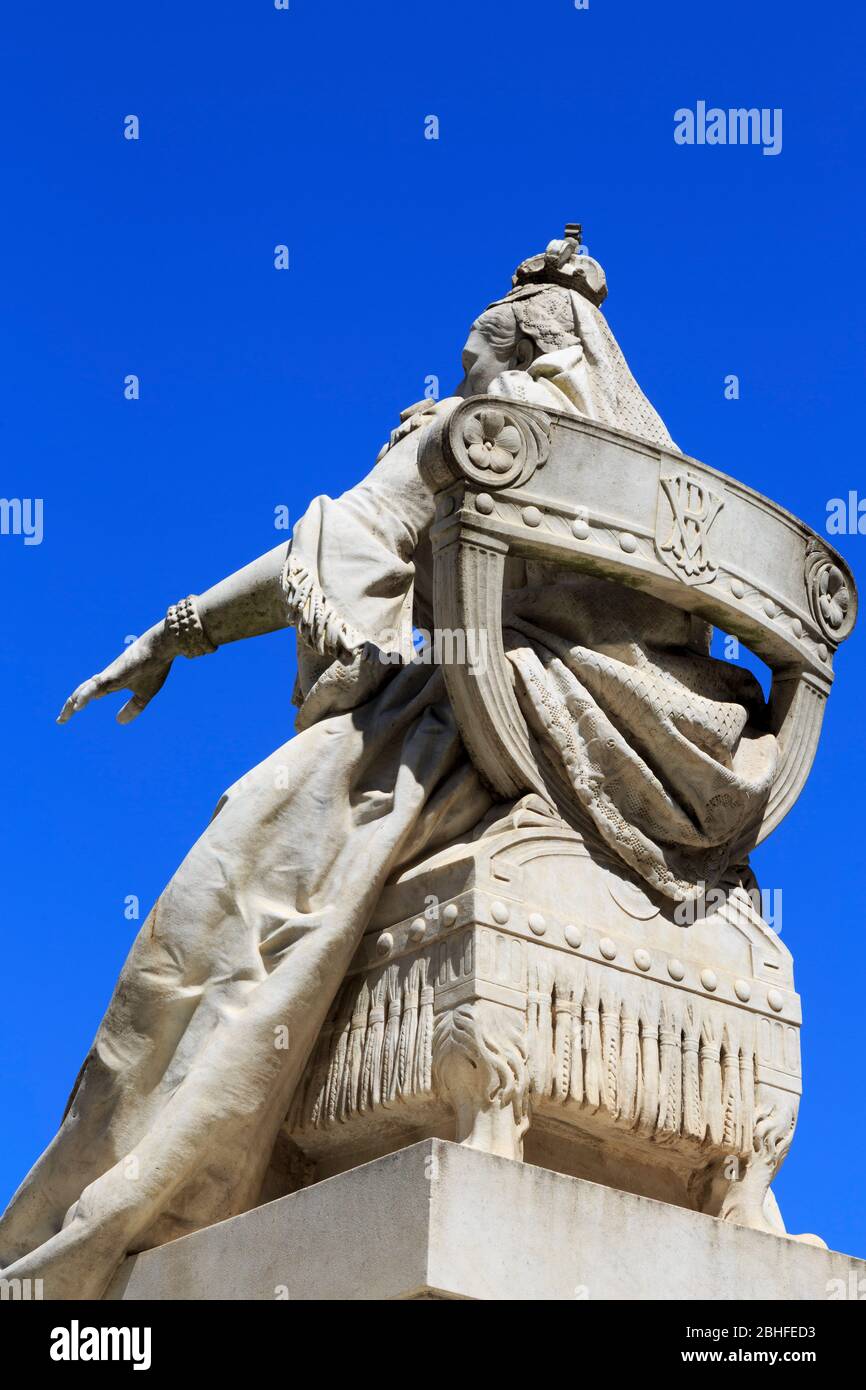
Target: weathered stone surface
(440,1220)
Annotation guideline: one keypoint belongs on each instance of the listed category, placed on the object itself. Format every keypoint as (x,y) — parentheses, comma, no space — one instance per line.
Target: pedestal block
(439,1220)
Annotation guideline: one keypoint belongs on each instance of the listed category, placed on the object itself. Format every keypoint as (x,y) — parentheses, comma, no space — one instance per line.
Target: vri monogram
(694,508)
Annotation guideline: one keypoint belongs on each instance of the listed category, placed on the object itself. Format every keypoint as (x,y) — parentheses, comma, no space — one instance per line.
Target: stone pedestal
(440,1220)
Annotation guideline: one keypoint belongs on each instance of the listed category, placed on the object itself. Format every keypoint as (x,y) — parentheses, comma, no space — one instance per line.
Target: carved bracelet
(183,622)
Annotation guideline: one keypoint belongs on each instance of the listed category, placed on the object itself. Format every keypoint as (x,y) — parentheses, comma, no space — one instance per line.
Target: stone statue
(496,888)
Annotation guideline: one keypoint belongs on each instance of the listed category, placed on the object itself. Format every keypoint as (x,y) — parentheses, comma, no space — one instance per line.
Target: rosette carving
(485,441)
(832,597)
(497,445)
(492,442)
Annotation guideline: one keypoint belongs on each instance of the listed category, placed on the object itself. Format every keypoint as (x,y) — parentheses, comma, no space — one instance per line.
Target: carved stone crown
(565,263)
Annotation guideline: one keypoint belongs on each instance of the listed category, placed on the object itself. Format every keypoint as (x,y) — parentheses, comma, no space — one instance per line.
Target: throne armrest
(512,479)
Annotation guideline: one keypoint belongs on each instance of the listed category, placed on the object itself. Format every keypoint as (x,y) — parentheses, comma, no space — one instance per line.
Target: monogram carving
(693,507)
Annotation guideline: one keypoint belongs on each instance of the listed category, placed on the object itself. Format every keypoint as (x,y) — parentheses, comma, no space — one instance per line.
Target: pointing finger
(77,700)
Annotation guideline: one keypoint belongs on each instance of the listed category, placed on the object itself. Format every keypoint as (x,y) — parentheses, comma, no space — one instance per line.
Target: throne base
(527,998)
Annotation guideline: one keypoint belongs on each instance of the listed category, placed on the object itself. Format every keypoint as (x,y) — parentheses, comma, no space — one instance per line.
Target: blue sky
(261,388)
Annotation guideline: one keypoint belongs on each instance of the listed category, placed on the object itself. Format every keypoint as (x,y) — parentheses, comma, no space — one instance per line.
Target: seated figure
(212,1036)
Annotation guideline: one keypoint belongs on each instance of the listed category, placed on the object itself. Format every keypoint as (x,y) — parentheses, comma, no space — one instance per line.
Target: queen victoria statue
(496,888)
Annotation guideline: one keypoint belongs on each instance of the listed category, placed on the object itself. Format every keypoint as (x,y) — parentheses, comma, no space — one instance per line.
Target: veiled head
(540,315)
(512,333)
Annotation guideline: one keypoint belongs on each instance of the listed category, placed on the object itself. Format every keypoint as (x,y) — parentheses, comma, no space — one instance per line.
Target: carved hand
(142,669)
(245,604)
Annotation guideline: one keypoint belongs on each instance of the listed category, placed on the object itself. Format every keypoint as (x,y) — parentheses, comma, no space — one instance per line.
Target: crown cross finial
(573,230)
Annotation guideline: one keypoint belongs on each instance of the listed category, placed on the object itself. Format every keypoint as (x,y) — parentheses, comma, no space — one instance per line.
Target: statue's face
(494,345)
(481,365)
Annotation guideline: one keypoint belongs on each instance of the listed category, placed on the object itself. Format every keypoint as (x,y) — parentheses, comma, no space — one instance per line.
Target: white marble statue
(174,1116)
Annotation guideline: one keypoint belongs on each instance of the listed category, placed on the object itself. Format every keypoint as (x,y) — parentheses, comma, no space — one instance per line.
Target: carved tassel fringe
(731,1118)
(424,1042)
(351,1082)
(576,1078)
(649,1068)
(408,1030)
(692,1116)
(711,1080)
(592,1076)
(610,1023)
(658,1062)
(628,1081)
(371,1067)
(390,1068)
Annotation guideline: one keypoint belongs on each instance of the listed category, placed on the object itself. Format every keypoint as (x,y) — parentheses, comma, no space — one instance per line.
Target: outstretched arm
(245,604)
(373,530)
(248,602)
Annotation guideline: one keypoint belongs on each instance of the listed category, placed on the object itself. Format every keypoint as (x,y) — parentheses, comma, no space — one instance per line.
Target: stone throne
(524,993)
